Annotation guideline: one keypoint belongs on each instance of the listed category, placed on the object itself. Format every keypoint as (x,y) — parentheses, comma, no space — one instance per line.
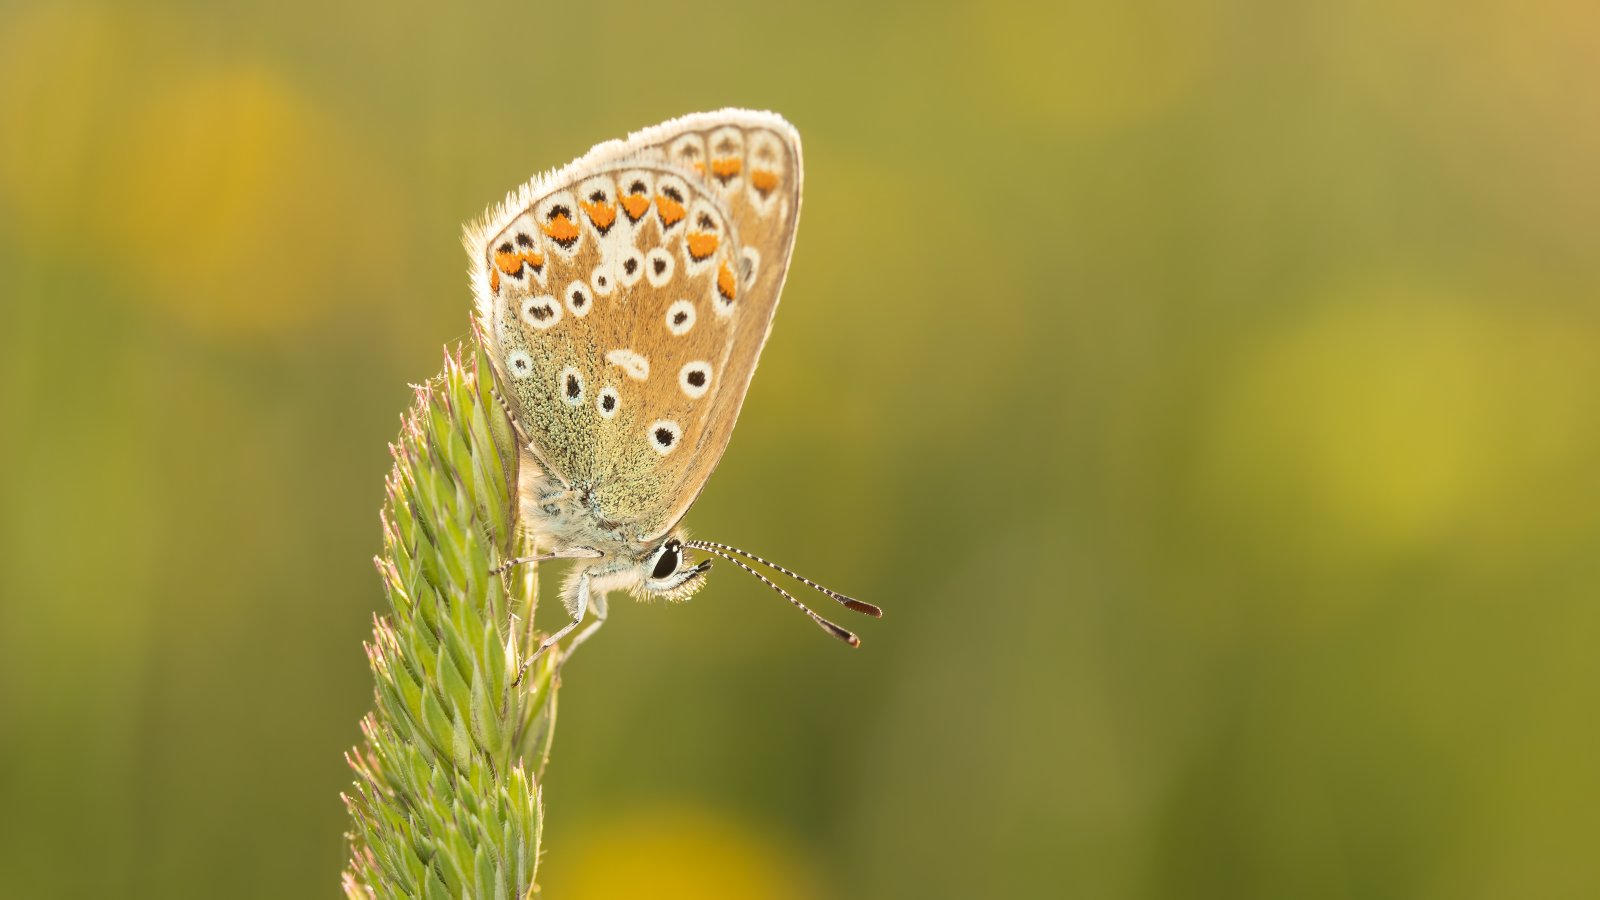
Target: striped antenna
(849,602)
(827,626)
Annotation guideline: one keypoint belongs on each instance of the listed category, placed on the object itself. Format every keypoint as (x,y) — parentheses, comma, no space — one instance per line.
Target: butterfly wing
(626,299)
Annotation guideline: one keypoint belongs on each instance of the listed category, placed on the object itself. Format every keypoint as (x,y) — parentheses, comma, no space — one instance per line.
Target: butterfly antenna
(827,626)
(849,602)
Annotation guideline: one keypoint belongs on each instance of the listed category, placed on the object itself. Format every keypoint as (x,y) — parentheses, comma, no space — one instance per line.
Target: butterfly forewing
(626,298)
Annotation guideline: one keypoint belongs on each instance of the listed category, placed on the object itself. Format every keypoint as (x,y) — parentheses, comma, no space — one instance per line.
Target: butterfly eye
(667,562)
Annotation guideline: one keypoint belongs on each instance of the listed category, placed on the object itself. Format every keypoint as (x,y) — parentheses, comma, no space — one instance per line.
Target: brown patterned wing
(626,299)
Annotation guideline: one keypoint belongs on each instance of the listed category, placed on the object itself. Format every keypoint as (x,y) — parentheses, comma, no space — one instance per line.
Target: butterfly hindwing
(626,299)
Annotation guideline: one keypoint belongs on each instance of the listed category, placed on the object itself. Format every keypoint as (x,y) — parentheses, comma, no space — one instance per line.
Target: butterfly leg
(564,553)
(599,603)
(553,494)
(579,607)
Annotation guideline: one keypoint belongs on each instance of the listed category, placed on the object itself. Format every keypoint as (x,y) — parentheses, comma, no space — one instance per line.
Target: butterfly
(623,301)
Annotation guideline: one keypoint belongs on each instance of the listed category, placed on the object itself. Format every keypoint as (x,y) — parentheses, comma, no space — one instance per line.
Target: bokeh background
(1208,391)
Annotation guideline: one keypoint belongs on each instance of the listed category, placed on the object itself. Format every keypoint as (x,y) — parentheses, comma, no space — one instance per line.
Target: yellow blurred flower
(1399,419)
(218,192)
(674,854)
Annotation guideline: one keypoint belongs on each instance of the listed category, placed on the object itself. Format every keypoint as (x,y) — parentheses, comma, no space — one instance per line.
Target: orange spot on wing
(726,168)
(635,205)
(671,210)
(601,214)
(511,263)
(764,181)
(725,282)
(561,230)
(699,168)
(702,244)
(494,281)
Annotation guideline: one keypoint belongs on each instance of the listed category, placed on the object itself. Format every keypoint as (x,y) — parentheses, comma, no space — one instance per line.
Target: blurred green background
(1208,392)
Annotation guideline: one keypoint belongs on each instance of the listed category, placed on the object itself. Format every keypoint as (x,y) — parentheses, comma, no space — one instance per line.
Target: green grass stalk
(446,801)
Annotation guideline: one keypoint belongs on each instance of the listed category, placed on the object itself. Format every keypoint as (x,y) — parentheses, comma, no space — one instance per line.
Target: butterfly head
(666,571)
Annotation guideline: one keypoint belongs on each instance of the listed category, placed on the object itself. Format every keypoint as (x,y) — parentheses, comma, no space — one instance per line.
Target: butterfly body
(623,302)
